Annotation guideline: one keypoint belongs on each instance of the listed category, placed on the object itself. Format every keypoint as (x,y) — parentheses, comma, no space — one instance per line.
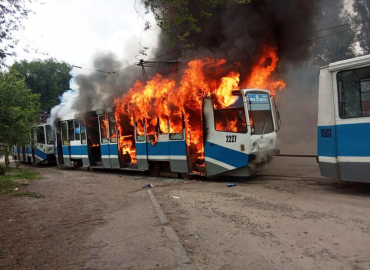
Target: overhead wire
(195,45)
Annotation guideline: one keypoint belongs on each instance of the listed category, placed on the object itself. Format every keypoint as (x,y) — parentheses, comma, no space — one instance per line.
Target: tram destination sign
(258,98)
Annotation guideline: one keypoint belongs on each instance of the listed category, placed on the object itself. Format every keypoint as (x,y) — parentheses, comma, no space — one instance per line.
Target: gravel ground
(286,218)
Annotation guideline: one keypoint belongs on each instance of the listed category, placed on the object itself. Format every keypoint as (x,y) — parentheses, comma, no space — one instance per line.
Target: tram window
(64,133)
(103,120)
(71,131)
(176,136)
(163,126)
(49,135)
(354,92)
(112,129)
(41,135)
(177,126)
(77,130)
(140,132)
(83,132)
(230,120)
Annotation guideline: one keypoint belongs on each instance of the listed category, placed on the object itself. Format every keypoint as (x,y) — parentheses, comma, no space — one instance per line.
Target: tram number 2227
(326,133)
(230,138)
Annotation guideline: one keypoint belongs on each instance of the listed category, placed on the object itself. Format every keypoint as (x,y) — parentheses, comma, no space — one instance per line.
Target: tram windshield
(49,135)
(231,118)
(260,115)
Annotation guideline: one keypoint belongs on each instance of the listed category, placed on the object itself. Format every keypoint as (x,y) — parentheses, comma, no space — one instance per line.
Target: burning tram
(236,140)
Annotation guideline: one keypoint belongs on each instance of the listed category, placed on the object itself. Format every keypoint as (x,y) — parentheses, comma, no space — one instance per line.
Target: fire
(261,73)
(166,103)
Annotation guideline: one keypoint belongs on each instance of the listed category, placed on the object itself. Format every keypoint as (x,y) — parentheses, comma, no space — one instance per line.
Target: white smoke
(67,100)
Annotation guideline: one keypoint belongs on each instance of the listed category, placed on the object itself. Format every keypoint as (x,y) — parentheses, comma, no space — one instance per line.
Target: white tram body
(41,148)
(83,140)
(344,120)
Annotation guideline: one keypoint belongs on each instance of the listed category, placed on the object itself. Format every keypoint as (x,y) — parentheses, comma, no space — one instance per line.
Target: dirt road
(286,218)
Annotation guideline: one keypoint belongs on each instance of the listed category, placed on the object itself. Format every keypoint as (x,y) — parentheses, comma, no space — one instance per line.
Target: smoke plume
(237,33)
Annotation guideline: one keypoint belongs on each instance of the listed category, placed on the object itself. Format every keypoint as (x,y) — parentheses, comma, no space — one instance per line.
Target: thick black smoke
(237,33)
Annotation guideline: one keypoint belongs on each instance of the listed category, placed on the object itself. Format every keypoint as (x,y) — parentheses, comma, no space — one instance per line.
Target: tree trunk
(7,162)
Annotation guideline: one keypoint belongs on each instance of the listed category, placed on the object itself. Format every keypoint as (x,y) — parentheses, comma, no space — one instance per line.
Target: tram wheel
(154,169)
(185,176)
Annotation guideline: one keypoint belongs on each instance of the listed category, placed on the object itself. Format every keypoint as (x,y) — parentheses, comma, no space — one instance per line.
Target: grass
(7,181)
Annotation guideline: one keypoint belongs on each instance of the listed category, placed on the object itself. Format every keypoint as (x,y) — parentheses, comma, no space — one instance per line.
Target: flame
(167,104)
(104,126)
(261,73)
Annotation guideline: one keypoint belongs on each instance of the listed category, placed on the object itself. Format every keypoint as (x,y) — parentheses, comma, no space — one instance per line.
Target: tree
(18,112)
(49,78)
(12,13)
(339,43)
(178,18)
(362,11)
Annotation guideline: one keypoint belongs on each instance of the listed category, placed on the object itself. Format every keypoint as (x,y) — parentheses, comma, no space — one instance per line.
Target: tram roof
(350,63)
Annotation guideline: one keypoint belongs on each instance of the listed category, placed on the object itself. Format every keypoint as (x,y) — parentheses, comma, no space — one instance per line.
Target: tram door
(351,133)
(58,149)
(108,141)
(177,148)
(141,149)
(226,145)
(66,153)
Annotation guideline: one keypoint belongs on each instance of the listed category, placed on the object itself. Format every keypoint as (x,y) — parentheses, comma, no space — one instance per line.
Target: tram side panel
(352,92)
(177,152)
(141,149)
(344,120)
(326,141)
(224,150)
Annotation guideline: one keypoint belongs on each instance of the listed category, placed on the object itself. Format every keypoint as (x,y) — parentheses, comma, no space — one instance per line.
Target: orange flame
(162,103)
(261,73)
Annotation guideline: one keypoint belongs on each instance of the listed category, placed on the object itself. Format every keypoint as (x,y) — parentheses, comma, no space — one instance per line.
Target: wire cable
(195,45)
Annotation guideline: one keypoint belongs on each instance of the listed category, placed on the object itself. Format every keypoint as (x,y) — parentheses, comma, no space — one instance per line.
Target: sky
(74,31)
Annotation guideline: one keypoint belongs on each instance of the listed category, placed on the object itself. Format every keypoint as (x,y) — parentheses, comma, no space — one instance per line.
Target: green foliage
(13,12)
(49,78)
(176,17)
(18,111)
(362,11)
(2,169)
(339,46)
(7,181)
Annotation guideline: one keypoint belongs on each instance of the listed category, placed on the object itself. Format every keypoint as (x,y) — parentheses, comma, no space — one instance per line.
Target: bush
(2,169)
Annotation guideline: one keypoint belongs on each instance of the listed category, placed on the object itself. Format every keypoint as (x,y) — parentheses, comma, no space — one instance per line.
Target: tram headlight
(254,146)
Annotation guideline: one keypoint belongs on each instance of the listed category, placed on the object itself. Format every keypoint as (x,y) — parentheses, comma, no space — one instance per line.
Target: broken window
(230,120)
(77,130)
(140,131)
(112,129)
(64,133)
(71,131)
(83,132)
(103,121)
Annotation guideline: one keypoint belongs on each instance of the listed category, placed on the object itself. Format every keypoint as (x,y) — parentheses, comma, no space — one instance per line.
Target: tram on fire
(344,120)
(238,140)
